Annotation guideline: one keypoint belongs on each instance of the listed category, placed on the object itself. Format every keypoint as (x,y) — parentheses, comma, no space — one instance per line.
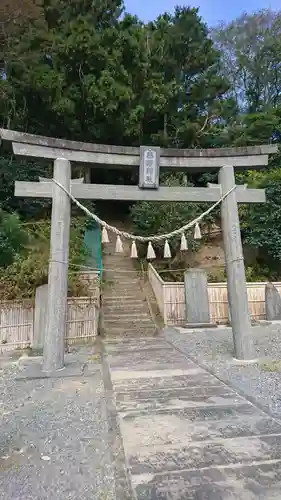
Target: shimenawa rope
(130,236)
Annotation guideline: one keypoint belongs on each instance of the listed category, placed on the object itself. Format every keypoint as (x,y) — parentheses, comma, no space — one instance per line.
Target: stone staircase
(125,307)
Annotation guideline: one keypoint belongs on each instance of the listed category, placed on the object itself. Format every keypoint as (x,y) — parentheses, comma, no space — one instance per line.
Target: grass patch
(30,267)
(94,357)
(271,365)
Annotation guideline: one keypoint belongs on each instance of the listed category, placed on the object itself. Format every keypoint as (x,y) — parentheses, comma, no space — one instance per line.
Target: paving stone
(157,359)
(201,379)
(179,392)
(160,458)
(145,342)
(154,429)
(243,482)
(123,347)
(180,400)
(125,375)
(145,367)
(186,435)
(144,356)
(197,414)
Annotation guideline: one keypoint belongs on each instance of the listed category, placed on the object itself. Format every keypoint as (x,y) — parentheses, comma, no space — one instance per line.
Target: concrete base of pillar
(244,362)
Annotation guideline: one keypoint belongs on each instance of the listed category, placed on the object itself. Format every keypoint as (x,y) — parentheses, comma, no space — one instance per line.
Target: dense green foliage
(12,169)
(262,226)
(12,238)
(158,218)
(92,75)
(28,269)
(88,71)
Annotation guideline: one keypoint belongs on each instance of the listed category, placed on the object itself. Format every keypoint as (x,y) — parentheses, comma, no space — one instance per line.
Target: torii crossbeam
(226,160)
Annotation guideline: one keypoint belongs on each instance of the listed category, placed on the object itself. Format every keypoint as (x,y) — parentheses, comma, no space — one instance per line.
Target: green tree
(12,238)
(184,93)
(12,169)
(82,71)
(26,264)
(85,72)
(261,224)
(250,49)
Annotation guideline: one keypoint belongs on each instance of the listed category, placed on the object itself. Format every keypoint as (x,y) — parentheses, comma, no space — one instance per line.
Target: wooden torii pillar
(62,152)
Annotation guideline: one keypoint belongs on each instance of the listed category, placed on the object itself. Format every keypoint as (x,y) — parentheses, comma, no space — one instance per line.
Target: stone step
(125,304)
(120,291)
(137,332)
(122,286)
(110,250)
(126,316)
(121,273)
(111,265)
(133,331)
(137,295)
(134,293)
(123,293)
(118,265)
(124,308)
(126,298)
(122,260)
(122,305)
(125,258)
(129,295)
(128,321)
(124,280)
(121,277)
(116,260)
(117,271)
(117,284)
(127,310)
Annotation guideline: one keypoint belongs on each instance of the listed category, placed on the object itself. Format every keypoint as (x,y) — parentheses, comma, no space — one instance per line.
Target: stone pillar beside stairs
(272,303)
(196,299)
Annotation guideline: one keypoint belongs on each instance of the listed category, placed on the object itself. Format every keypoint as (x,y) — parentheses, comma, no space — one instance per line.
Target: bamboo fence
(171,300)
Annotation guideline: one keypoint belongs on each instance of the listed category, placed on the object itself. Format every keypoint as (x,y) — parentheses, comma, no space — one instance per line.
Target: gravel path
(54,436)
(213,349)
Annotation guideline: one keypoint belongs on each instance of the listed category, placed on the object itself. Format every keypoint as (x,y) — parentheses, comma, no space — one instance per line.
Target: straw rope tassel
(150,252)
(119,245)
(197,232)
(167,250)
(184,246)
(104,235)
(134,250)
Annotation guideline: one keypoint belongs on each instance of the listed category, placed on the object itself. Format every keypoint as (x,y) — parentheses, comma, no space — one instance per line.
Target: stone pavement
(186,435)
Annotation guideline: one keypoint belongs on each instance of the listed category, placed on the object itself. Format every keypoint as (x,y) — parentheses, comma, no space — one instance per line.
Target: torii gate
(149,159)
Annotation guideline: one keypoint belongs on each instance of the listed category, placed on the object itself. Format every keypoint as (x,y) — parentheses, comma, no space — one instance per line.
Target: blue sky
(212,11)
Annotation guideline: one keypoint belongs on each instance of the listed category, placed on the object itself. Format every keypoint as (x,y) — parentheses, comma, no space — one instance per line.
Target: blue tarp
(92,240)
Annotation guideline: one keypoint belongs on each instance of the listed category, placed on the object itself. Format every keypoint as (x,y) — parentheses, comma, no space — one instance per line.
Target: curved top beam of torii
(29,145)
